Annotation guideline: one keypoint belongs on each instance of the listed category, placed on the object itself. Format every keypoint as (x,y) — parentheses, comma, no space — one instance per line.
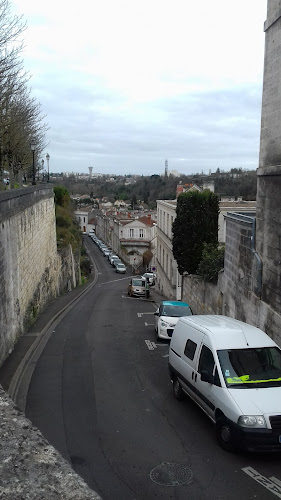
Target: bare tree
(21,118)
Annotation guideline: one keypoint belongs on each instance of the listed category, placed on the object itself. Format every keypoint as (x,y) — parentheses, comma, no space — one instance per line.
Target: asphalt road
(101,395)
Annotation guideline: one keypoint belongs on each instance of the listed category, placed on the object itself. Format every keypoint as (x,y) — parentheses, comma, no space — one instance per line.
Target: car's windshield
(138,283)
(251,368)
(176,311)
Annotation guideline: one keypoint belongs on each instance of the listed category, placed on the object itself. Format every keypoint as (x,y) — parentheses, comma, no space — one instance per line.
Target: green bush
(85,265)
(63,221)
(212,262)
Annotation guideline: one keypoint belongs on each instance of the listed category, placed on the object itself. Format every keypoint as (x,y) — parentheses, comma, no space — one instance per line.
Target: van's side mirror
(207,377)
(156,313)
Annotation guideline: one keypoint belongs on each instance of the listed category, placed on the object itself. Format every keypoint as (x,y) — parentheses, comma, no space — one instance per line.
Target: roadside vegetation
(68,230)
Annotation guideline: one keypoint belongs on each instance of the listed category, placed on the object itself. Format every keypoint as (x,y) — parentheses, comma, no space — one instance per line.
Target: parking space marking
(142,314)
(148,324)
(272,484)
(151,345)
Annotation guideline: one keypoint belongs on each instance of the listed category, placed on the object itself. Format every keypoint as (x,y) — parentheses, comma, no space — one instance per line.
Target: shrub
(212,262)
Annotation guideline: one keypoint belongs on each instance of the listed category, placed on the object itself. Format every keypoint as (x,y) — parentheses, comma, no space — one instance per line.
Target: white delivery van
(232,370)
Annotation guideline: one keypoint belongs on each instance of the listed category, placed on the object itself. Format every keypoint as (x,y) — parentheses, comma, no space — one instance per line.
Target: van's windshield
(251,368)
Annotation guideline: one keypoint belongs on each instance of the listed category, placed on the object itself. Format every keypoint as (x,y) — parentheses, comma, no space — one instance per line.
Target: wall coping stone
(15,201)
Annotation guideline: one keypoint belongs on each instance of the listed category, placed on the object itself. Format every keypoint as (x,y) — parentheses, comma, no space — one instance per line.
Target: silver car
(120,267)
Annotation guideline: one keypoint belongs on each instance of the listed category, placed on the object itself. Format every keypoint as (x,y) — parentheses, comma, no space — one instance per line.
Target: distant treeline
(148,189)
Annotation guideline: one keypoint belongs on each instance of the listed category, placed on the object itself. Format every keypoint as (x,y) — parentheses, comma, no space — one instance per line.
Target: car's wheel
(224,434)
(177,390)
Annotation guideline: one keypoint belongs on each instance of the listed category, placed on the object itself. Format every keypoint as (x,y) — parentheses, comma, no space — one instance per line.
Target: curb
(19,385)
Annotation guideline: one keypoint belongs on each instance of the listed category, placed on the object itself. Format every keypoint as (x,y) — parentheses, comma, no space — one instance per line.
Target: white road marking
(141,314)
(165,356)
(275,480)
(148,324)
(273,486)
(150,345)
(112,281)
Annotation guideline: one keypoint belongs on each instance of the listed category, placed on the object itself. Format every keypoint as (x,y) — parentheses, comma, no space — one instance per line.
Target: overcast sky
(126,84)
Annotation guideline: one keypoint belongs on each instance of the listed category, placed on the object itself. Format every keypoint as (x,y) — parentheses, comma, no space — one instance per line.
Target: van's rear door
(188,360)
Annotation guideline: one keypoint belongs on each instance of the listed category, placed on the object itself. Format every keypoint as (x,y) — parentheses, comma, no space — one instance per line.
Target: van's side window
(206,361)
(190,349)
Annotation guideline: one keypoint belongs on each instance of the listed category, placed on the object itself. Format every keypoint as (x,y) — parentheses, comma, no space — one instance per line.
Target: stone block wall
(269,171)
(238,292)
(31,270)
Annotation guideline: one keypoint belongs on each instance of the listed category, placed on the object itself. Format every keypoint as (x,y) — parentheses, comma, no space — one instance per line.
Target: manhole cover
(169,474)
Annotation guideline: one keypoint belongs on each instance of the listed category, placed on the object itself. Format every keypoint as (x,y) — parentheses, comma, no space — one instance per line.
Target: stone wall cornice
(15,201)
(269,170)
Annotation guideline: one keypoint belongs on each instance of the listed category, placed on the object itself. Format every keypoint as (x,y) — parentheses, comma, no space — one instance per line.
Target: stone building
(268,236)
(249,288)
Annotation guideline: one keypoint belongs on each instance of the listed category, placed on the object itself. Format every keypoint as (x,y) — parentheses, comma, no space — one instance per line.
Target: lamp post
(33,147)
(48,158)
(42,163)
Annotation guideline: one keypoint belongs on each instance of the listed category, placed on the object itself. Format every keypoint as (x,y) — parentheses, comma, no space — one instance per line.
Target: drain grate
(169,474)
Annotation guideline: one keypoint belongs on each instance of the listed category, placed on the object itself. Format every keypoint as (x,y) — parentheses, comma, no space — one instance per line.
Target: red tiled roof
(147,220)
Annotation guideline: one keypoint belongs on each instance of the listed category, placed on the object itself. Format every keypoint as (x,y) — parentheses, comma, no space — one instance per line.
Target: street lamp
(33,147)
(48,158)
(42,163)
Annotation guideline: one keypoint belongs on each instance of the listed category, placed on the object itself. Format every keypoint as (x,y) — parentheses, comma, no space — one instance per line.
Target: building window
(164,222)
(84,220)
(168,225)
(131,234)
(141,233)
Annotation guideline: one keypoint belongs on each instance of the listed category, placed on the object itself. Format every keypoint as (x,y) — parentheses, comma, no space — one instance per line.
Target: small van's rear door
(188,361)
(207,394)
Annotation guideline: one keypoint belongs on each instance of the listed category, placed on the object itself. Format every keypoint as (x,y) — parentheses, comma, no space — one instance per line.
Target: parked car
(117,261)
(232,370)
(136,287)
(167,316)
(120,267)
(112,258)
(150,277)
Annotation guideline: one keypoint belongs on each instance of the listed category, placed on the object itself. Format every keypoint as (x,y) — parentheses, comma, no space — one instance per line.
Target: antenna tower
(166,168)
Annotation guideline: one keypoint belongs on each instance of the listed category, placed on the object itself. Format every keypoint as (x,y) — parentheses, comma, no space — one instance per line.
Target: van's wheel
(177,390)
(224,434)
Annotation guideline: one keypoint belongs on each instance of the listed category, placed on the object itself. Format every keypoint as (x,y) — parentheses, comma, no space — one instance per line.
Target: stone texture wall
(269,171)
(31,270)
(30,468)
(238,292)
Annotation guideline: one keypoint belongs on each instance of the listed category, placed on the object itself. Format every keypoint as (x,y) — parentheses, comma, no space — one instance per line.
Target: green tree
(62,197)
(196,223)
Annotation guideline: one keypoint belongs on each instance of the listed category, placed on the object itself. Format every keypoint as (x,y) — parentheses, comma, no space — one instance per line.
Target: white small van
(232,370)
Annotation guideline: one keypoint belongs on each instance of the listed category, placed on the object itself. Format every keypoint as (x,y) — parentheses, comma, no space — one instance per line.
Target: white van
(232,370)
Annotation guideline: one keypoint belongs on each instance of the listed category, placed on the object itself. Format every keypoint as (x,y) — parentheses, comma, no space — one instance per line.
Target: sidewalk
(51,311)
(25,343)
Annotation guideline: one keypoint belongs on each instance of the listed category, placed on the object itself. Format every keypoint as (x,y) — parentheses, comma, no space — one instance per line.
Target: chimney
(149,216)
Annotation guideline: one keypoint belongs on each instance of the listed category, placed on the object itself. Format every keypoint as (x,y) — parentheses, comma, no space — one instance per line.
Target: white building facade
(168,281)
